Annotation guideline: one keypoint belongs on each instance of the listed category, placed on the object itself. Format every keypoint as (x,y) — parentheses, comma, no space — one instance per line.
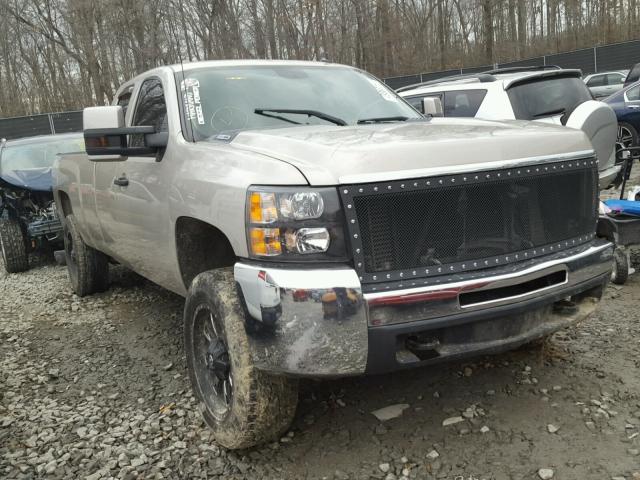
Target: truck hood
(328,155)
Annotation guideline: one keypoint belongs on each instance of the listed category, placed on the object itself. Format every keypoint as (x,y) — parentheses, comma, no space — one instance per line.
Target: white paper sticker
(190,88)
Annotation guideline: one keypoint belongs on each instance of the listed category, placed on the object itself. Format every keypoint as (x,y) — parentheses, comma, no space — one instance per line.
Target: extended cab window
(123,100)
(151,109)
(463,103)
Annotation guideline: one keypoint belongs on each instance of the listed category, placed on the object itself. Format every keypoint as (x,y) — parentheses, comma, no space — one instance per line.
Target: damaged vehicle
(28,219)
(319,226)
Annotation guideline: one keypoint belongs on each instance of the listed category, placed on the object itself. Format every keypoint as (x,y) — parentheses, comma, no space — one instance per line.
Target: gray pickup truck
(319,226)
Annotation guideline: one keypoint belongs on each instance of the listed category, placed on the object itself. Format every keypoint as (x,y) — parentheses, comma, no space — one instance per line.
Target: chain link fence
(43,124)
(616,56)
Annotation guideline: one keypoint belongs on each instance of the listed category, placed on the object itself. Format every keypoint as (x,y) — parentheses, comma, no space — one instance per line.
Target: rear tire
(14,246)
(88,268)
(621,267)
(243,406)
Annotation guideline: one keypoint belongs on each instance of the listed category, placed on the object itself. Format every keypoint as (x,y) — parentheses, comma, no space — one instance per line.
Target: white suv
(547,94)
(521,93)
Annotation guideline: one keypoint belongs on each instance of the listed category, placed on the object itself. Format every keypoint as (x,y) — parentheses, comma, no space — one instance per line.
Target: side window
(123,100)
(151,109)
(596,81)
(415,102)
(614,79)
(633,94)
(463,103)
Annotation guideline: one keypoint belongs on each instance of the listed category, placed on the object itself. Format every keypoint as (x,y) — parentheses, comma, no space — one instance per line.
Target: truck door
(132,204)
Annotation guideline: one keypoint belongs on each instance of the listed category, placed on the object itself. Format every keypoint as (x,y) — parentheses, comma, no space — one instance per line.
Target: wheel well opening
(65,204)
(201,247)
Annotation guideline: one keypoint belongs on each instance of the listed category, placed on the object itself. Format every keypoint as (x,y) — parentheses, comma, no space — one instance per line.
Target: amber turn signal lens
(265,241)
(262,207)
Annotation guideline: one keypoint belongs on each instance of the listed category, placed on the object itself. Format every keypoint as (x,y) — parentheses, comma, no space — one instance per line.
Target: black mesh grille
(458,219)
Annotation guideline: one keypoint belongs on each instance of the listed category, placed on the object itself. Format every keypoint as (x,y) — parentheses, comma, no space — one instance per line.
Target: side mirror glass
(106,137)
(432,106)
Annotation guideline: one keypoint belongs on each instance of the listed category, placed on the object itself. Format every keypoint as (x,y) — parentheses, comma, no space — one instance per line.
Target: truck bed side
(74,193)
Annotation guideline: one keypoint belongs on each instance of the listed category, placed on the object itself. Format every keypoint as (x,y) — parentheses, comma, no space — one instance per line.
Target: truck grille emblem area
(438,226)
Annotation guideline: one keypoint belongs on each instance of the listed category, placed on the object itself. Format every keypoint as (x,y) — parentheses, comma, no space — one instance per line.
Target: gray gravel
(97,388)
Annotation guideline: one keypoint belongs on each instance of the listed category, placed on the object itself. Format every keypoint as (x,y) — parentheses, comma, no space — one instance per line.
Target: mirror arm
(156,140)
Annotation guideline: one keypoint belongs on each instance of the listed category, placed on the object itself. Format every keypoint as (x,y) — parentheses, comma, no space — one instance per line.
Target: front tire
(88,268)
(241,404)
(13,246)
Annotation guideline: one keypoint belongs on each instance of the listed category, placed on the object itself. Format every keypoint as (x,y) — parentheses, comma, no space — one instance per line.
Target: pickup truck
(319,226)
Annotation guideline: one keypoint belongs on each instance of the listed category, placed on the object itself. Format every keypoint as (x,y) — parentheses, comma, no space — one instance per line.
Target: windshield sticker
(191,95)
(386,94)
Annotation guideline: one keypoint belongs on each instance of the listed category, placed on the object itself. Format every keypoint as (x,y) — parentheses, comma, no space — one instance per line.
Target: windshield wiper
(549,113)
(261,111)
(382,119)
(311,113)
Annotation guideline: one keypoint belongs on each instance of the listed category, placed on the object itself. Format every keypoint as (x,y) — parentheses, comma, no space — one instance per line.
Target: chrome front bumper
(318,322)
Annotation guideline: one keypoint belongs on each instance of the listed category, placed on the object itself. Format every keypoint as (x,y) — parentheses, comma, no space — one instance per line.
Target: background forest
(64,54)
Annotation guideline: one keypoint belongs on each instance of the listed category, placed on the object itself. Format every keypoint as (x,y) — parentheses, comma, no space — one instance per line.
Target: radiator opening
(495,294)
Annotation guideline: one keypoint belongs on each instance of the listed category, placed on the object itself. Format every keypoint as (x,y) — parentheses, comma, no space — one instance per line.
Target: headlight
(308,240)
(289,222)
(301,205)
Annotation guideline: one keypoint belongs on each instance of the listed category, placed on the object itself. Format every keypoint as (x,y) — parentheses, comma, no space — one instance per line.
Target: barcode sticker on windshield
(382,90)
(190,88)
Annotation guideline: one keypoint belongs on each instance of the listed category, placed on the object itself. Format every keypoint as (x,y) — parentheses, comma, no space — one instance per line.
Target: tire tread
(267,403)
(13,241)
(92,265)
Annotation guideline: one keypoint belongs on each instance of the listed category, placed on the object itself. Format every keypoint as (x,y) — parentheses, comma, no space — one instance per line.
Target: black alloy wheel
(212,366)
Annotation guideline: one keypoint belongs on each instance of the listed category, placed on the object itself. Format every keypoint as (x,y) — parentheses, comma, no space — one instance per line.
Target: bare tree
(65,54)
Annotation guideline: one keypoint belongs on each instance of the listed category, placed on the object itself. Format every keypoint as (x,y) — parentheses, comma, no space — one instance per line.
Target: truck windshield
(225,99)
(39,154)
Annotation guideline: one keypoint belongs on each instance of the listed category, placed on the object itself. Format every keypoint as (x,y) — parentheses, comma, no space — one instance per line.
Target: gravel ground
(97,388)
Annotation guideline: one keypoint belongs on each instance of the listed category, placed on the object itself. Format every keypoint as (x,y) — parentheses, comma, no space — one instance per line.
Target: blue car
(28,218)
(626,104)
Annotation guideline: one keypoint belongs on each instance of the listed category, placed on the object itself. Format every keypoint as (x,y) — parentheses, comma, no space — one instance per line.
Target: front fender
(211,182)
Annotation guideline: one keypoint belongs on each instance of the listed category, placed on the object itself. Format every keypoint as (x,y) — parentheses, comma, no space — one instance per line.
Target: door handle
(121,181)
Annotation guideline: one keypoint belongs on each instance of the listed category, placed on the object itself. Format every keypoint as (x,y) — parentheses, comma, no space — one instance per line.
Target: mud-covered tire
(261,406)
(13,246)
(88,268)
(621,267)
